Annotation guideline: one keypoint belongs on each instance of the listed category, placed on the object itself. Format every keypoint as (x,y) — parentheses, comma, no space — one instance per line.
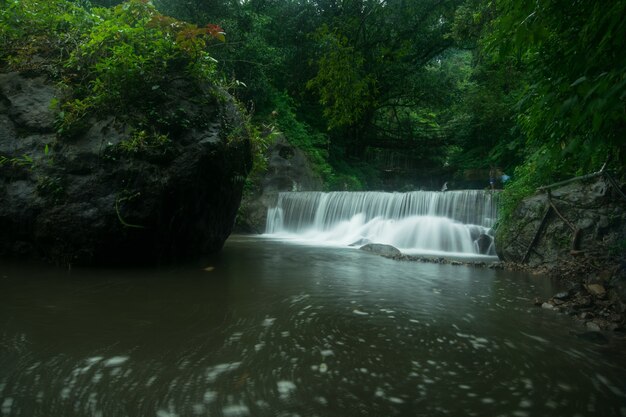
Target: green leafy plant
(141,140)
(17,161)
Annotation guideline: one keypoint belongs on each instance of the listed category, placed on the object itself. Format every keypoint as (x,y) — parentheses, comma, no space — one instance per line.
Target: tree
(573,110)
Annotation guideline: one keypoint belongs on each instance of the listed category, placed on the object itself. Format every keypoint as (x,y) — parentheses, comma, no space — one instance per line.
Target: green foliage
(17,161)
(118,60)
(31,30)
(131,54)
(314,144)
(572,111)
(141,141)
(346,91)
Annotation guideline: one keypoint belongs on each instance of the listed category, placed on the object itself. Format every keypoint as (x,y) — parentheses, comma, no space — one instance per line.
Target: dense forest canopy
(402,94)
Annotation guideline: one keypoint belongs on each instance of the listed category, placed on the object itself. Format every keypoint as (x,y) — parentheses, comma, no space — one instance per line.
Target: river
(272,328)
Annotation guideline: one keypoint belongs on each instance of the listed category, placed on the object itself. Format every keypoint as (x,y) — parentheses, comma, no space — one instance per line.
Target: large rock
(593,208)
(387,251)
(86,200)
(288,169)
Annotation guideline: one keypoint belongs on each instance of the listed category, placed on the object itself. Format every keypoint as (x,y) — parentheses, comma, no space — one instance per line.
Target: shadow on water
(268,328)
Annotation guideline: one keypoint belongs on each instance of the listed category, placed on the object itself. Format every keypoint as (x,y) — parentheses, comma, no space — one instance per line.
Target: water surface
(268,328)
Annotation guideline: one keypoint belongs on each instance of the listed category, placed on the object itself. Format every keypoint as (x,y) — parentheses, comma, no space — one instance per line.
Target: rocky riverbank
(593,292)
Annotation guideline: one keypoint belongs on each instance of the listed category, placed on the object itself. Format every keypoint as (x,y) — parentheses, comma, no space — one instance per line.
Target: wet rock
(484,243)
(86,201)
(564,295)
(596,289)
(547,306)
(583,207)
(288,169)
(382,249)
(592,326)
(583,302)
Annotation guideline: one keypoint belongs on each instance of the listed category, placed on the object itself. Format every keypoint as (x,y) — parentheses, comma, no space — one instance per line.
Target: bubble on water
(525,403)
(115,361)
(521,413)
(214,372)
(323,368)
(7,404)
(285,388)
(363,370)
(535,338)
(360,313)
(327,352)
(609,385)
(93,359)
(564,386)
(396,400)
(462,386)
(552,404)
(236,410)
(510,344)
(321,400)
(65,393)
(165,413)
(96,377)
(268,321)
(198,409)
(262,404)
(379,392)
(487,400)
(209,397)
(258,346)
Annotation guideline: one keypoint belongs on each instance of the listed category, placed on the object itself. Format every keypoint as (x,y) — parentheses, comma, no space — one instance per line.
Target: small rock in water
(563,295)
(595,289)
(547,306)
(380,249)
(592,326)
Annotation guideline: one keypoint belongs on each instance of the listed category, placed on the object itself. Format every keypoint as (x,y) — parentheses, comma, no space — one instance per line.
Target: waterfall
(416,222)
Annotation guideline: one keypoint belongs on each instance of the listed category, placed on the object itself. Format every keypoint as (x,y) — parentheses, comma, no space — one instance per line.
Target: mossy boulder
(589,223)
(113,193)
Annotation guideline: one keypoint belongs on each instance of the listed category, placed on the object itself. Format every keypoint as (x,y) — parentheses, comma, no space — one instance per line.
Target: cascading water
(416,222)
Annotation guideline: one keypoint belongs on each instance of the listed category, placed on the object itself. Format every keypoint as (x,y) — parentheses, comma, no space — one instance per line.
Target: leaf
(578,81)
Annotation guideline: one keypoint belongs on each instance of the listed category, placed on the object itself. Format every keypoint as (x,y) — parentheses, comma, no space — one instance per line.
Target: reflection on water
(274,329)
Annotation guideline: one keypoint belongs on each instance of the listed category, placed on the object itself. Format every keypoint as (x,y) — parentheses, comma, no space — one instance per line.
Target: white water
(423,222)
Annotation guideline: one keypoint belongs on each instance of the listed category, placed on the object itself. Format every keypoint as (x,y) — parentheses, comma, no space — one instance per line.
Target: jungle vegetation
(380,94)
